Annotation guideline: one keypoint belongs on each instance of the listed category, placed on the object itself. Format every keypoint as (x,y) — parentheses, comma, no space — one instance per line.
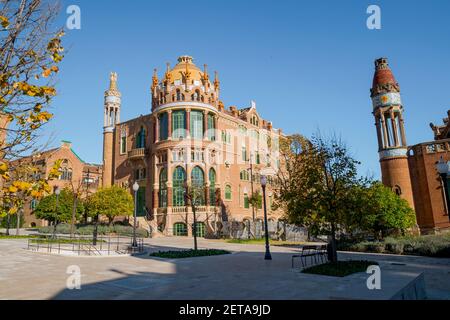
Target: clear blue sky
(307,64)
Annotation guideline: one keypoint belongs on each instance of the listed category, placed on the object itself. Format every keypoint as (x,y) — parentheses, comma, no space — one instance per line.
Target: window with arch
(180,229)
(163,126)
(198,181)
(163,188)
(212,186)
(178,95)
(196,124)
(179,176)
(140,138)
(397,190)
(227,192)
(66,174)
(179,124)
(244,175)
(123,141)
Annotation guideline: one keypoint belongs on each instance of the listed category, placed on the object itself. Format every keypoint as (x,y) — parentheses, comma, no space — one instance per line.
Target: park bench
(315,253)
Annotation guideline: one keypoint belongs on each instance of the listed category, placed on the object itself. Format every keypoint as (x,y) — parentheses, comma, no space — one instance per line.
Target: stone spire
(113,90)
(154,80)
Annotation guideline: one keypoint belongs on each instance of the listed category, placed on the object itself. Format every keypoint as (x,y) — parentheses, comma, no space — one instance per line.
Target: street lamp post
(266,229)
(57,192)
(443,169)
(135,189)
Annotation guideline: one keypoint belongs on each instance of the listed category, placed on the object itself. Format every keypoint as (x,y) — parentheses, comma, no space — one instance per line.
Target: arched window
(179,124)
(123,141)
(179,176)
(179,229)
(178,95)
(198,181)
(196,124)
(397,190)
(212,187)
(140,138)
(227,192)
(163,188)
(244,175)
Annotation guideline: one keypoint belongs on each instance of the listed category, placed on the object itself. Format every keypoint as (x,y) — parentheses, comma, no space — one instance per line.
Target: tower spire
(216,81)
(154,80)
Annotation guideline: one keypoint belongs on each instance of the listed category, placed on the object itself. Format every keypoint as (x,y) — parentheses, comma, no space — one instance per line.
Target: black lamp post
(135,189)
(266,229)
(57,192)
(443,169)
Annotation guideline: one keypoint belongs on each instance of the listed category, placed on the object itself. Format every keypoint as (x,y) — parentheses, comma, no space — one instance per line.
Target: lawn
(262,241)
(188,253)
(4,236)
(65,240)
(340,268)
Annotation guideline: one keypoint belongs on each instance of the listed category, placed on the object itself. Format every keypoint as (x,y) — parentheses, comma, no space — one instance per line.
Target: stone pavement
(242,275)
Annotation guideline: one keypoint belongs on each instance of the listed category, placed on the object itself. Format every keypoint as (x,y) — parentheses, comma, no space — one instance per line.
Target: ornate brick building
(411,171)
(76,175)
(188,138)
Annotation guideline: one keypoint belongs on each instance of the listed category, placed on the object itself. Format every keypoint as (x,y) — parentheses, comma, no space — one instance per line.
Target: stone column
(155,198)
(385,134)
(188,123)
(380,141)
(394,128)
(156,127)
(402,129)
(205,123)
(169,124)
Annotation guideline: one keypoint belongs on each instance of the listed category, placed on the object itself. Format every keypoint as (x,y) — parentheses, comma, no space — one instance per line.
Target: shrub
(101,230)
(188,253)
(340,268)
(12,221)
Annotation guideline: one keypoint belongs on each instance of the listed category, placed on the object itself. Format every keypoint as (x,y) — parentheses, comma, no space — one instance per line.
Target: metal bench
(314,252)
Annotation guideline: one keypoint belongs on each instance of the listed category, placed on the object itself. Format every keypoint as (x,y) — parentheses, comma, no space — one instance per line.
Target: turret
(111,118)
(389,122)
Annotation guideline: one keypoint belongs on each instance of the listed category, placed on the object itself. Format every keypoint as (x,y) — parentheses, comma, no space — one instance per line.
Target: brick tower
(392,147)
(111,118)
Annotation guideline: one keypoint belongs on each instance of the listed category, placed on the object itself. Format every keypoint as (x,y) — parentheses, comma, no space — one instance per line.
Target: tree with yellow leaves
(30,50)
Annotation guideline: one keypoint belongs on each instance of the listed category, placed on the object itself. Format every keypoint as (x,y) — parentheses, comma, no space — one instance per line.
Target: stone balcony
(137,153)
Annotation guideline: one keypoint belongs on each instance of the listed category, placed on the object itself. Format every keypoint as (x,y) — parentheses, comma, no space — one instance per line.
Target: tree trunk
(18,222)
(8,221)
(194,229)
(332,248)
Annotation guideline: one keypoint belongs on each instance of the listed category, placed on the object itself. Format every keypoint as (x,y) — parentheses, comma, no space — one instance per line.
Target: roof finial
(113,90)
(205,73)
(216,80)
(154,79)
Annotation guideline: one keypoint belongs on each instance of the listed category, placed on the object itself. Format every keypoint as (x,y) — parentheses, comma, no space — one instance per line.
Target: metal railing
(83,245)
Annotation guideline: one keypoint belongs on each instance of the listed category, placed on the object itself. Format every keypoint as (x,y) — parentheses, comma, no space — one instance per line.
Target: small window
(246,203)
(227,192)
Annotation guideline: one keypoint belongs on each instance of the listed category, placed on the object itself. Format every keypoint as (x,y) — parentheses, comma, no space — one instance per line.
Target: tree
(194,196)
(47,209)
(386,212)
(317,191)
(30,50)
(110,202)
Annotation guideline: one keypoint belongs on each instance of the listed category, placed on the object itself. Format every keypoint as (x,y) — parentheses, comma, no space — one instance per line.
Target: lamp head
(263,180)
(135,187)
(57,191)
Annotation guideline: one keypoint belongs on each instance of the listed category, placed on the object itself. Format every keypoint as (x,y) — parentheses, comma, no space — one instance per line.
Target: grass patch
(262,241)
(340,268)
(74,240)
(30,236)
(188,253)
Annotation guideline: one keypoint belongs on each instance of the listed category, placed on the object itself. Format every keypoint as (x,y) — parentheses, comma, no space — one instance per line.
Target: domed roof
(184,65)
(383,79)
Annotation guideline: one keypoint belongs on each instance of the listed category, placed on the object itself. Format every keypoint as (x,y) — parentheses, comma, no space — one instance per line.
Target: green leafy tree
(317,191)
(47,209)
(386,212)
(110,202)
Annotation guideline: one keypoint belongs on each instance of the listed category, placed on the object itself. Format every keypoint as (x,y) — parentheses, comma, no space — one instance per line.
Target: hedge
(64,228)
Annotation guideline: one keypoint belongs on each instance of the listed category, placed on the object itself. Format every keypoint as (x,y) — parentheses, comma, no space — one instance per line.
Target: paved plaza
(244,274)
